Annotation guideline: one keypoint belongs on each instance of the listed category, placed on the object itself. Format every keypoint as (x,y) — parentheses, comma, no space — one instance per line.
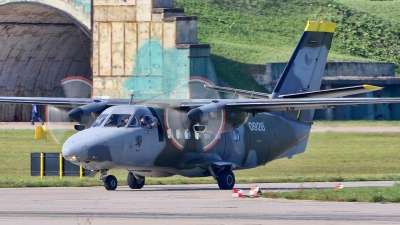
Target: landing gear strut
(224,177)
(135,181)
(110,181)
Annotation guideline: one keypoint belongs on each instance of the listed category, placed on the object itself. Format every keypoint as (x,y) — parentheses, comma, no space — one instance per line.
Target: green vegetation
(388,10)
(356,123)
(382,195)
(244,35)
(329,157)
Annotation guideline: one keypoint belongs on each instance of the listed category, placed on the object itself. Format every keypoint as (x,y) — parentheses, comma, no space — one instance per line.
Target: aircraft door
(145,146)
(142,142)
(235,146)
(257,141)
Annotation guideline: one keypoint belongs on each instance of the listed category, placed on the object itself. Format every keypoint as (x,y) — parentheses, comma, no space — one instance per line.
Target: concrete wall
(361,69)
(42,42)
(332,69)
(365,112)
(142,47)
(78,11)
(343,74)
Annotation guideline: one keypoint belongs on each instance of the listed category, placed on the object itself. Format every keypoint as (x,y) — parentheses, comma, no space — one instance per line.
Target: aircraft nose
(74,151)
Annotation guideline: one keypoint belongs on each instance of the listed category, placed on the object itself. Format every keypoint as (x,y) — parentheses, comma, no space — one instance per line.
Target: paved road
(183,204)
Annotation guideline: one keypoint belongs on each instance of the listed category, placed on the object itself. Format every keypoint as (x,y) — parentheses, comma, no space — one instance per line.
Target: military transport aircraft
(206,137)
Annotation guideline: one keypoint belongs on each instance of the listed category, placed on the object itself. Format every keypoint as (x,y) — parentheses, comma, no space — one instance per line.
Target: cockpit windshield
(117,120)
(99,120)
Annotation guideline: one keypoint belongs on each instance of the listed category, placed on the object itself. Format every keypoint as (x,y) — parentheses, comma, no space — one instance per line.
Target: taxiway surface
(184,204)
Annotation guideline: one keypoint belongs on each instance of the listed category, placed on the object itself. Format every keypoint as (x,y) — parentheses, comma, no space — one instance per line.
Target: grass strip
(333,157)
(372,194)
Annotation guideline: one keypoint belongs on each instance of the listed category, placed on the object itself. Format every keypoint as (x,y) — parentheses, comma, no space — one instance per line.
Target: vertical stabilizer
(305,68)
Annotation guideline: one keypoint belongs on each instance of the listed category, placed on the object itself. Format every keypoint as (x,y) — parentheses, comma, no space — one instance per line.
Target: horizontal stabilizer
(244,93)
(334,93)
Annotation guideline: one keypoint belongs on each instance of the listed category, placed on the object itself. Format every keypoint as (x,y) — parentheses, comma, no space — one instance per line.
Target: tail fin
(305,68)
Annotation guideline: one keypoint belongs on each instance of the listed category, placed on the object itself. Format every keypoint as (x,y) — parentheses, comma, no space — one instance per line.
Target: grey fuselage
(171,146)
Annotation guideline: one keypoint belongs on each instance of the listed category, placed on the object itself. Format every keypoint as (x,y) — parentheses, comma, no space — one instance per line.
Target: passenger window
(169,133)
(99,120)
(188,135)
(197,135)
(236,135)
(178,134)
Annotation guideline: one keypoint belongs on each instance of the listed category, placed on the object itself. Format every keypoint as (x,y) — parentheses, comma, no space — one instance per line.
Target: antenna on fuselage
(131,101)
(234,94)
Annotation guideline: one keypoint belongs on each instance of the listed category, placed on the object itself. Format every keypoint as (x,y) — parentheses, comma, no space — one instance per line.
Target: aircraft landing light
(71,158)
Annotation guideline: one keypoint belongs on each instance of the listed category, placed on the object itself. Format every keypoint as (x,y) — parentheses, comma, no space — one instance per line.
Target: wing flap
(243,93)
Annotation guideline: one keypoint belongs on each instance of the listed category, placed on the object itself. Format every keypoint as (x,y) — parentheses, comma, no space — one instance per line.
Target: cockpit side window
(99,120)
(117,120)
(134,122)
(148,121)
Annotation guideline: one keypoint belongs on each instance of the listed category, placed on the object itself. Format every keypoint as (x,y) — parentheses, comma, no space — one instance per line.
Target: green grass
(350,123)
(244,35)
(378,194)
(329,157)
(336,157)
(388,10)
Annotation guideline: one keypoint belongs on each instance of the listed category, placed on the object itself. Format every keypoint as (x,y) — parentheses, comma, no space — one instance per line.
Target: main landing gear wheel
(110,183)
(135,182)
(226,180)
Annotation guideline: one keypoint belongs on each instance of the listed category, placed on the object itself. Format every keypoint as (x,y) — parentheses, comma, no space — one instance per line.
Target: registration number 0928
(256,126)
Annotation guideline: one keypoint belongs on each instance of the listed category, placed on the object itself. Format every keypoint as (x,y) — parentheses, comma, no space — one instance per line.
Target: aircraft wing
(305,103)
(60,102)
(46,101)
(329,93)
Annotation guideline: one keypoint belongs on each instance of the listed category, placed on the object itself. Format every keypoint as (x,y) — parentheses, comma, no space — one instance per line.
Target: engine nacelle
(217,117)
(235,118)
(83,114)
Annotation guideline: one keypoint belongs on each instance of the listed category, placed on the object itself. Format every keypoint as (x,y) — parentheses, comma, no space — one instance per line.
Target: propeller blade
(58,121)
(58,124)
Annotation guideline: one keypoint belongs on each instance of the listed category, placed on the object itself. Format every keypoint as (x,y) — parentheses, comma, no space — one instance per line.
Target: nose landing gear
(110,181)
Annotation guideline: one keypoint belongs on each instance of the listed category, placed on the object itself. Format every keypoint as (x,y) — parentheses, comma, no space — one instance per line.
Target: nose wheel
(110,181)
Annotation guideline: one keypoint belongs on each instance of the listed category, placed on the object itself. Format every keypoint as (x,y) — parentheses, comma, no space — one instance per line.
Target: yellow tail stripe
(320,26)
